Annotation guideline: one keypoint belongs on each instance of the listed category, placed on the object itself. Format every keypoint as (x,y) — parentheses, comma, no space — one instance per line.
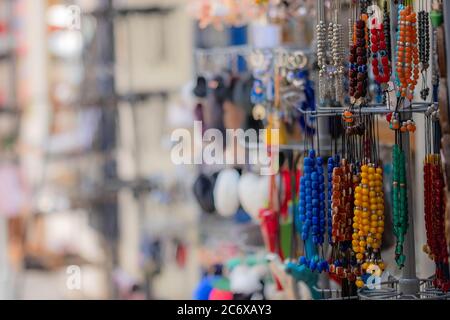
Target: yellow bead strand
(368,221)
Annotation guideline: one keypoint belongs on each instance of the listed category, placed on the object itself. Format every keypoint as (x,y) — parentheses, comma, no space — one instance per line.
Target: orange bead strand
(407,66)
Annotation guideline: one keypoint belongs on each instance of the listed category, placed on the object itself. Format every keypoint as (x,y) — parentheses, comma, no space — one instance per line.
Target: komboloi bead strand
(305,206)
(435,62)
(358,65)
(380,59)
(368,219)
(363,5)
(342,200)
(322,59)
(355,182)
(333,162)
(342,206)
(331,89)
(338,61)
(337,215)
(336,201)
(434,220)
(424,50)
(312,208)
(387,28)
(360,226)
(399,203)
(428,205)
(441,254)
(352,66)
(351,26)
(407,53)
(360,221)
(318,184)
(376,201)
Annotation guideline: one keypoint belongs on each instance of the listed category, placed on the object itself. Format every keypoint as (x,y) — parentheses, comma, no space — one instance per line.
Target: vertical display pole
(409,284)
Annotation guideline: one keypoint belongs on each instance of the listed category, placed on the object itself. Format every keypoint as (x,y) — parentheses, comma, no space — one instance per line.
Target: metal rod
(418,107)
(447,40)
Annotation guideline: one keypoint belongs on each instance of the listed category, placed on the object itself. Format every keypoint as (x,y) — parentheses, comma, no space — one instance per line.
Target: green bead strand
(399,203)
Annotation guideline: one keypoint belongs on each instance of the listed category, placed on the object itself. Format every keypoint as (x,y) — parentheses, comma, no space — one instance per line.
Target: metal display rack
(408,286)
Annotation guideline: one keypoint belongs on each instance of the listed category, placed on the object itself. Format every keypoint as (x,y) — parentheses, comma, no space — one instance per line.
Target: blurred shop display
(224,149)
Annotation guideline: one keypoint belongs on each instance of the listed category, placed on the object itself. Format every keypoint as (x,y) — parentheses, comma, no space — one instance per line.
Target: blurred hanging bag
(203,192)
(201,88)
(226,198)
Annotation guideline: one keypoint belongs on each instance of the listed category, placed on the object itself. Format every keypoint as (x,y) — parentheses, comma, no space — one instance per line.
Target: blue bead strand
(312,210)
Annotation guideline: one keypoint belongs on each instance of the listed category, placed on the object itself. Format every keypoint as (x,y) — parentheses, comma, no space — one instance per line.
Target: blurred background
(87,94)
(91,205)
